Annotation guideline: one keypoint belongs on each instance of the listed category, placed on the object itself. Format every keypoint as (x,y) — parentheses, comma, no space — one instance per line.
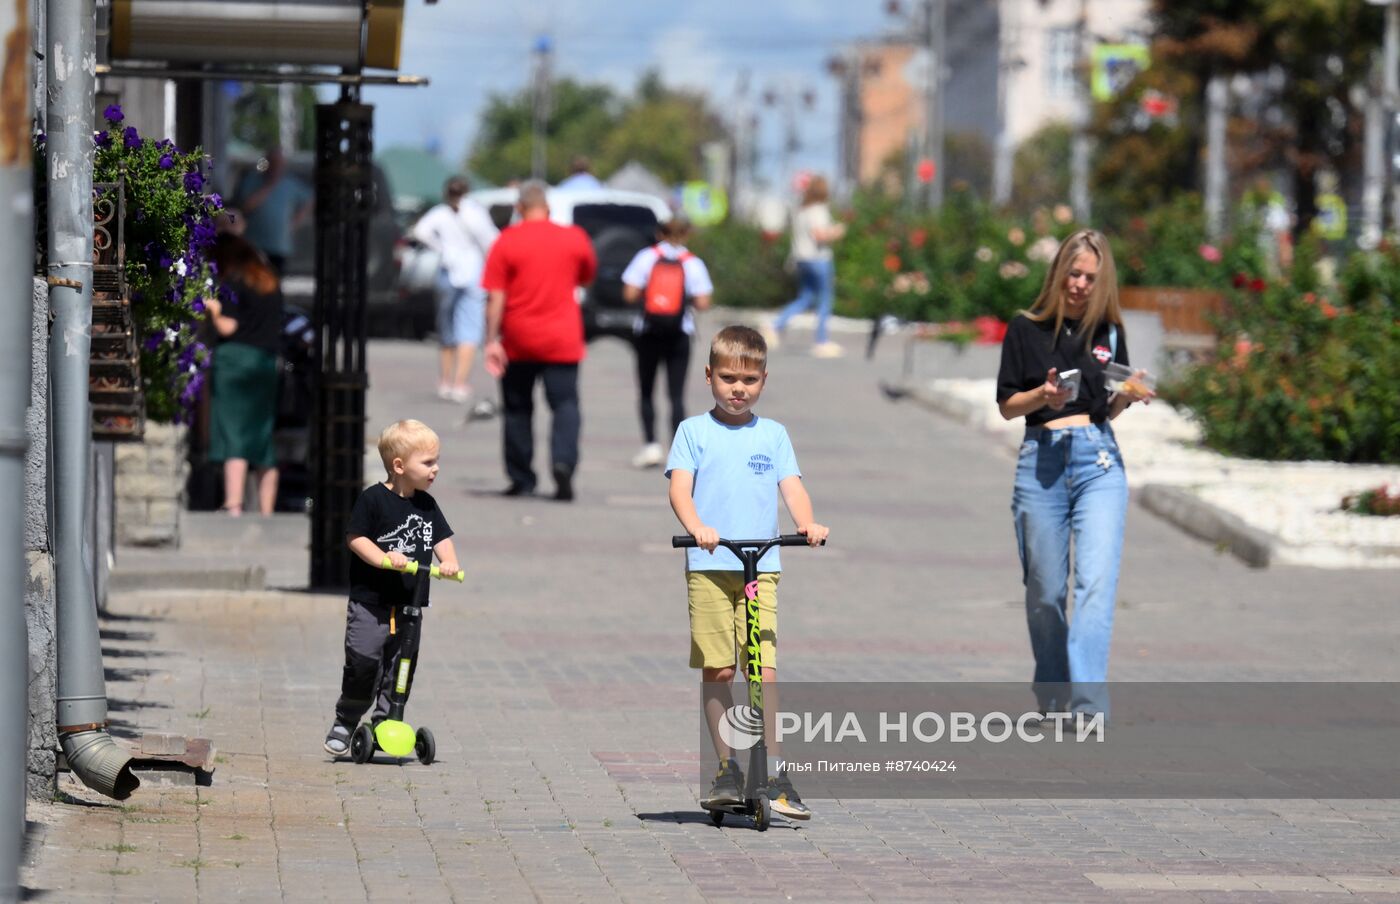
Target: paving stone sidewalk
(555,682)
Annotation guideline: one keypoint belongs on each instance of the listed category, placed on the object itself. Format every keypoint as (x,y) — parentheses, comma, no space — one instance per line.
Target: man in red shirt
(534,330)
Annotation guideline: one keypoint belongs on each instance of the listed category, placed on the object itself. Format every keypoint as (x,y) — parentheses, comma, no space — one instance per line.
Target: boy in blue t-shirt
(727,468)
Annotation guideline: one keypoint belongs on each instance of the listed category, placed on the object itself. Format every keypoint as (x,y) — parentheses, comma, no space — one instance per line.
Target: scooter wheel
(425,746)
(362,744)
(717,817)
(763,813)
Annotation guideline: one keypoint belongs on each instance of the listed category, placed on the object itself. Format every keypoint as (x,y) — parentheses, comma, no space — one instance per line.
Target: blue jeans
(816,285)
(461,313)
(1070,484)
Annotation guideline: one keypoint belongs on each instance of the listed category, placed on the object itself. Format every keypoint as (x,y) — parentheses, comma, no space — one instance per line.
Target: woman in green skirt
(244,387)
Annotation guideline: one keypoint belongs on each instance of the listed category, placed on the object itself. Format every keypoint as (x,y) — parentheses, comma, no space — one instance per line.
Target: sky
(471,49)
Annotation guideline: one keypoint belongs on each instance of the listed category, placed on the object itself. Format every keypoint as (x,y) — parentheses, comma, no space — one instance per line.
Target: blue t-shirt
(737,471)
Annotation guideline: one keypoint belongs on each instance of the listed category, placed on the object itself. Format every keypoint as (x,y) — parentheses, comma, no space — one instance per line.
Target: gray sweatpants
(370,653)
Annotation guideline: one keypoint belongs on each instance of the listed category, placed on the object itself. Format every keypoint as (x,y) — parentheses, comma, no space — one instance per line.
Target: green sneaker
(784,798)
(727,791)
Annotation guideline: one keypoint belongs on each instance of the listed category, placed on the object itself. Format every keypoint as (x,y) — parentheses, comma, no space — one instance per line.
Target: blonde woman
(1070,483)
(813,232)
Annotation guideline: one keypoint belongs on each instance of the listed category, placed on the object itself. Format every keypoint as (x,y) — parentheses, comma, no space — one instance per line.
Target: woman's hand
(1136,390)
(1051,392)
(213,308)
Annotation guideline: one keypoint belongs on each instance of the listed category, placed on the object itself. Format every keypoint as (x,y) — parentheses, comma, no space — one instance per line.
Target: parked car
(620,223)
(387,315)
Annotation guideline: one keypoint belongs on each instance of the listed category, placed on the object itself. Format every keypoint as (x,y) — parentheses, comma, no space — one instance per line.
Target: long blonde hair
(1103,297)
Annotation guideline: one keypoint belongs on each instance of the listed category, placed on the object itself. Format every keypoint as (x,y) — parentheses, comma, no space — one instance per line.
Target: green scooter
(393,735)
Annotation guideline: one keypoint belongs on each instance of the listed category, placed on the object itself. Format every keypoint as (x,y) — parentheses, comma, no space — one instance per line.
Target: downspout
(16,267)
(71,64)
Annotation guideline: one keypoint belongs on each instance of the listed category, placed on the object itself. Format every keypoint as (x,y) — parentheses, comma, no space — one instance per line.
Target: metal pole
(1217,112)
(1391,69)
(16,264)
(82,692)
(1080,144)
(1003,163)
(540,119)
(1373,166)
(936,12)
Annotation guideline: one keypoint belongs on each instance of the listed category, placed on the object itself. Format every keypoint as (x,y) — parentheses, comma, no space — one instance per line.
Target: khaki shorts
(719,618)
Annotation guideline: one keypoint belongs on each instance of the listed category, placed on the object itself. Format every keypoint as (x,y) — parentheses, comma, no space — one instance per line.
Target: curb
(253,577)
(1203,520)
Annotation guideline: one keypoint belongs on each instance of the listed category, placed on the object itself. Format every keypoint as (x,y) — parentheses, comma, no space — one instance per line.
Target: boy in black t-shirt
(396,519)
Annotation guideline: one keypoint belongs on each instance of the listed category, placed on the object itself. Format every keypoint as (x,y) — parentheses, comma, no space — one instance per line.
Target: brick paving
(556,685)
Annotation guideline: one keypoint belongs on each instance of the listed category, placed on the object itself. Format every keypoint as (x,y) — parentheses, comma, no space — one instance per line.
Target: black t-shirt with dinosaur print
(409,525)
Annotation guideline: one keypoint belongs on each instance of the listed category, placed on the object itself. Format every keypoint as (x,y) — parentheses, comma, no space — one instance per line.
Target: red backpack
(666,300)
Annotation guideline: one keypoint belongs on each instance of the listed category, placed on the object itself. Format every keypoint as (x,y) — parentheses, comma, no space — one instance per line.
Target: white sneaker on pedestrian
(770,336)
(828,350)
(651,456)
(444,392)
(460,394)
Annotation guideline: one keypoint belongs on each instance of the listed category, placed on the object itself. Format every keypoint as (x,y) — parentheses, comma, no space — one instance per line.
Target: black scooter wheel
(763,813)
(717,817)
(362,744)
(425,746)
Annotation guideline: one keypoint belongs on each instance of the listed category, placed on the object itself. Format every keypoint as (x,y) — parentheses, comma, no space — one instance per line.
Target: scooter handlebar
(433,571)
(686,541)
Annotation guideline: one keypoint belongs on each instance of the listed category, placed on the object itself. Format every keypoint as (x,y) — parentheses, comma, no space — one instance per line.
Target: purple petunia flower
(166,161)
(113,113)
(102,139)
(151,343)
(216,201)
(194,182)
(131,138)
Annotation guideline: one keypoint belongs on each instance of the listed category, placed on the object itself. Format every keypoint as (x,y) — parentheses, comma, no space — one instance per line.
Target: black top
(1030,349)
(259,317)
(395,523)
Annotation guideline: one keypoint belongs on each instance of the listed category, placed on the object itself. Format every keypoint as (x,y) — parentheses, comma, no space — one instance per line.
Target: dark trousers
(672,349)
(518,412)
(370,655)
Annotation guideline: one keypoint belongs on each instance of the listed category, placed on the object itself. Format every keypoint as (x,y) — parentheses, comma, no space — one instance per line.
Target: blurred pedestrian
(243,404)
(534,332)
(274,203)
(813,232)
(1070,484)
(461,232)
(671,283)
(581,175)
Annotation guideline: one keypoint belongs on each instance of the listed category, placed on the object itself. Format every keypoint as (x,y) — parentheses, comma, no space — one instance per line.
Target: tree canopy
(662,128)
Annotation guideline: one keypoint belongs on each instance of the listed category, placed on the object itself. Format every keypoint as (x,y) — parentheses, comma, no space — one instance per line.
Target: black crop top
(1030,349)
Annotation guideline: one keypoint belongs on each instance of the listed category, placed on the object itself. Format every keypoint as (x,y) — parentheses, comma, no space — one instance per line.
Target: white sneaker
(459,394)
(651,456)
(828,350)
(770,336)
(444,392)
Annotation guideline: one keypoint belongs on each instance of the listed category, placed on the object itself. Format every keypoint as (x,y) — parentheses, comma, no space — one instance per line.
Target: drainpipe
(16,265)
(71,64)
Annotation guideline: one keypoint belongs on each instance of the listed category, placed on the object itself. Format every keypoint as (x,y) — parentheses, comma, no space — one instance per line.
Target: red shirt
(538,263)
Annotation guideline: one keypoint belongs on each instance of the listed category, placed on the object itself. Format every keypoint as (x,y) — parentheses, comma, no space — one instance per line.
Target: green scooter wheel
(763,812)
(425,747)
(362,744)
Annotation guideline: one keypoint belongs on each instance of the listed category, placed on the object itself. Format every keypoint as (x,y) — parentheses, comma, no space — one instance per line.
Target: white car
(620,223)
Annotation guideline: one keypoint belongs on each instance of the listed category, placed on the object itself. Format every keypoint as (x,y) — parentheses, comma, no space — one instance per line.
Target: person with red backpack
(670,283)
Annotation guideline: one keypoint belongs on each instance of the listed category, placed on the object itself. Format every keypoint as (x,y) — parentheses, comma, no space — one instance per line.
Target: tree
(255,116)
(1322,48)
(661,128)
(1040,174)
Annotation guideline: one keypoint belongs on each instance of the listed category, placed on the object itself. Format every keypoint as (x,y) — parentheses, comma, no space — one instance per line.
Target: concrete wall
(39,601)
(150,486)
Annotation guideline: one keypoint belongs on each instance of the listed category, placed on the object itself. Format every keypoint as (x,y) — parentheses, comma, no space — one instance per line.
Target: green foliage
(745,263)
(169,227)
(256,119)
(964,261)
(1383,500)
(1300,375)
(660,128)
(1167,247)
(1040,172)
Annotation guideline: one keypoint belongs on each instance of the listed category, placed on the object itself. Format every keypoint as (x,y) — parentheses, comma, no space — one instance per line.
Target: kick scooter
(393,735)
(755,803)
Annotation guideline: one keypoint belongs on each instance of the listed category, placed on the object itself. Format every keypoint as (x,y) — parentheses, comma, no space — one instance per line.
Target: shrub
(745,263)
(1384,500)
(1304,375)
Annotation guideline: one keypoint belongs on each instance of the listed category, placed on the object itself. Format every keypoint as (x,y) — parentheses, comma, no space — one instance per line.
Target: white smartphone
(1069,380)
